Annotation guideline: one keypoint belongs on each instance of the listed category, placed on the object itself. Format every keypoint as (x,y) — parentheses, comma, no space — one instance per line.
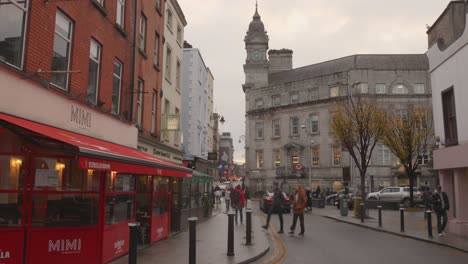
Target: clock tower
(256,44)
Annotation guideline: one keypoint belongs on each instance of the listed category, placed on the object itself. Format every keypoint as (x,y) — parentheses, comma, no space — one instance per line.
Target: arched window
(400,89)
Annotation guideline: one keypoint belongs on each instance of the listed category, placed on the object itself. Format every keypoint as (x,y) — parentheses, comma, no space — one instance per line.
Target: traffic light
(225,172)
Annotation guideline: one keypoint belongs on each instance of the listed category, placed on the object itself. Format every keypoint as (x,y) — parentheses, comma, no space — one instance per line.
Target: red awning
(102,155)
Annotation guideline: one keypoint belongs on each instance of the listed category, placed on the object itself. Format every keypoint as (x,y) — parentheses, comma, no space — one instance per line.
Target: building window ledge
(99,7)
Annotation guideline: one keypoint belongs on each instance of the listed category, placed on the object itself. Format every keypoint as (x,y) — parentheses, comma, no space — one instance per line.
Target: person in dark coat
(277,205)
(309,199)
(441,206)
(300,202)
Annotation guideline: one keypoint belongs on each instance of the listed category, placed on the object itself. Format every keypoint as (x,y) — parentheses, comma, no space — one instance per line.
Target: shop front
(68,198)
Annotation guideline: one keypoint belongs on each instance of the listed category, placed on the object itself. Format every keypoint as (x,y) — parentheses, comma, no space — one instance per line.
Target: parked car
(396,194)
(267,200)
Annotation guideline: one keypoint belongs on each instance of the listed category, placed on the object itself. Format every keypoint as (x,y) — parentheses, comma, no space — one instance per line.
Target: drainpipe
(132,77)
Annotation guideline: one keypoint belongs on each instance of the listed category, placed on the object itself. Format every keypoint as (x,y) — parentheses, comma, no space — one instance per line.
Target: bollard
(380,215)
(132,252)
(248,235)
(230,249)
(361,205)
(402,219)
(192,240)
(429,223)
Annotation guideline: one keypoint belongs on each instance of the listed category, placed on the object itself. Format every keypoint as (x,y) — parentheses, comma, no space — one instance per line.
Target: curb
(252,259)
(396,233)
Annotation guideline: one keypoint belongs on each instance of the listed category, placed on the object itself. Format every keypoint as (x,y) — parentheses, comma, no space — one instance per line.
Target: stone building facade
(288,113)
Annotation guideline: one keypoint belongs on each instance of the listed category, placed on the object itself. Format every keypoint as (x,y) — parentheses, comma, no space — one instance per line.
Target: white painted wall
(28,100)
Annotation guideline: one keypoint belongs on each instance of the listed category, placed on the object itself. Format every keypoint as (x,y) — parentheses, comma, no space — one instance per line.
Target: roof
(353,62)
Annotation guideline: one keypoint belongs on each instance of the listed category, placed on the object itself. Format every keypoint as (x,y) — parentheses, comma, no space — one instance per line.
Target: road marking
(275,238)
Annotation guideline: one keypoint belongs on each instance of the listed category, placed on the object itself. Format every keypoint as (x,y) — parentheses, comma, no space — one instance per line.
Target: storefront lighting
(18,162)
(90,172)
(60,166)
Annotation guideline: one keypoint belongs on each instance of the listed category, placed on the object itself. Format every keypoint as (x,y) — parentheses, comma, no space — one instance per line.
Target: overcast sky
(316,31)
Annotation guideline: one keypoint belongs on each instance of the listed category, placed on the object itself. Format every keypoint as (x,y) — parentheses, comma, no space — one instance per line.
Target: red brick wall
(144,64)
(89,23)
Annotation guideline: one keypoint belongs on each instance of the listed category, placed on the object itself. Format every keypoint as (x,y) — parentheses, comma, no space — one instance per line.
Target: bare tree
(408,136)
(358,125)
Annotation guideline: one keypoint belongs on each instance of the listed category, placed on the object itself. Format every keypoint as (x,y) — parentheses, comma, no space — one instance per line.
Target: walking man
(300,202)
(276,206)
(441,206)
(237,201)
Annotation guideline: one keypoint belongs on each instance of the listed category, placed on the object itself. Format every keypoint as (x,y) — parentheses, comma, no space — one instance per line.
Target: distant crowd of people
(235,198)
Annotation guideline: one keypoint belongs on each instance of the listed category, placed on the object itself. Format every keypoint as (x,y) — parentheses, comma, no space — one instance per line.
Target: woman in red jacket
(238,201)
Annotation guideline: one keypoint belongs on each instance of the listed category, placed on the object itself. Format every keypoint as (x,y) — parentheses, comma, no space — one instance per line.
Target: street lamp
(309,144)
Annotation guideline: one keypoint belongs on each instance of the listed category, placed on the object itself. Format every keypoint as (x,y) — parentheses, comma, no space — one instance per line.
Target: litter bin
(344,207)
(357,201)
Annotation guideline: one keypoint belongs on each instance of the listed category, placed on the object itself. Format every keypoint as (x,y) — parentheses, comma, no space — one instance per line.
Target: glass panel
(196,195)
(161,195)
(143,183)
(120,182)
(58,174)
(92,82)
(11,209)
(185,195)
(12,24)
(65,210)
(11,172)
(143,208)
(119,208)
(60,60)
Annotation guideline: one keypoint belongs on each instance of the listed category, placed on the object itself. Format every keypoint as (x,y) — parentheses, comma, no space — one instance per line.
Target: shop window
(11,173)
(64,209)
(119,208)
(196,195)
(161,195)
(13,14)
(11,212)
(185,195)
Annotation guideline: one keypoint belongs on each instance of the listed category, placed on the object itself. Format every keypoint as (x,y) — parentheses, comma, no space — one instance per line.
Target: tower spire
(256,15)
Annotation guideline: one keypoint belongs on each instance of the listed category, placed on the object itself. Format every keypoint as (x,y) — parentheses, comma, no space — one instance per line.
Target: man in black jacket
(441,206)
(277,206)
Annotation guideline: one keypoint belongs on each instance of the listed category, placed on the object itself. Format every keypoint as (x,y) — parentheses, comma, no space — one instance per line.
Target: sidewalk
(415,225)
(211,244)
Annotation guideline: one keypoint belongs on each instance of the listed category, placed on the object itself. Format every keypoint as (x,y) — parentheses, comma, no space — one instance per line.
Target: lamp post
(309,144)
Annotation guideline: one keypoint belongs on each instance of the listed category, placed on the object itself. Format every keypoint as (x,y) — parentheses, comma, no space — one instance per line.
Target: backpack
(235,197)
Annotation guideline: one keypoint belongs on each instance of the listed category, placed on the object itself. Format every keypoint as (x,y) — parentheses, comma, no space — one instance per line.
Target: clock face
(256,55)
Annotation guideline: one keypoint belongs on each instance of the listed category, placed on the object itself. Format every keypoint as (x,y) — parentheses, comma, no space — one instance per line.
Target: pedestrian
(427,200)
(227,197)
(309,199)
(238,200)
(441,206)
(300,202)
(276,206)
(317,192)
(218,193)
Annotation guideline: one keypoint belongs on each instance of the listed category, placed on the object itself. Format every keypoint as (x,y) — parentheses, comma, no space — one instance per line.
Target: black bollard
(230,249)
(248,235)
(380,215)
(429,223)
(402,219)
(192,240)
(132,251)
(361,205)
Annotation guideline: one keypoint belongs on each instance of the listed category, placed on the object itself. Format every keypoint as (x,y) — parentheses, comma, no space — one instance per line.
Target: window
(336,155)
(450,117)
(276,128)
(383,155)
(167,109)
(153,111)
(294,126)
(62,50)
(120,16)
(116,87)
(294,98)
(380,88)
(142,33)
(314,123)
(101,2)
(169,19)
(362,88)
(259,159)
(276,158)
(275,100)
(419,88)
(314,94)
(402,114)
(156,50)
(179,35)
(259,103)
(177,132)
(178,72)
(139,102)
(334,91)
(93,73)
(13,15)
(315,156)
(423,159)
(168,63)
(158,5)
(400,89)
(259,129)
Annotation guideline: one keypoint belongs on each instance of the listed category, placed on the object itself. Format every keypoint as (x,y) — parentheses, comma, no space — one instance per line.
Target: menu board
(47,178)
